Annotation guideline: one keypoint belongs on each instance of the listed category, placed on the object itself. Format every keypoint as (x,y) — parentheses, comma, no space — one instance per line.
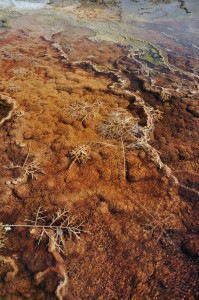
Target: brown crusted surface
(119,259)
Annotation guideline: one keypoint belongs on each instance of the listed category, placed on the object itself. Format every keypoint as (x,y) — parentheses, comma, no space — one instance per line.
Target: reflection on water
(171,25)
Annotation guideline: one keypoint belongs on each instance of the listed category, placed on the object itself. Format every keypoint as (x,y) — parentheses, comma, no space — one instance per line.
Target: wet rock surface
(131,208)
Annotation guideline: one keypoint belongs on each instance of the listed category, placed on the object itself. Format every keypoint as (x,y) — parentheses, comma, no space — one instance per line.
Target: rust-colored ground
(141,233)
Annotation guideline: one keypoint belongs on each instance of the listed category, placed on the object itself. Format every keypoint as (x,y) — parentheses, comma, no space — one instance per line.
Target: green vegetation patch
(145,50)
